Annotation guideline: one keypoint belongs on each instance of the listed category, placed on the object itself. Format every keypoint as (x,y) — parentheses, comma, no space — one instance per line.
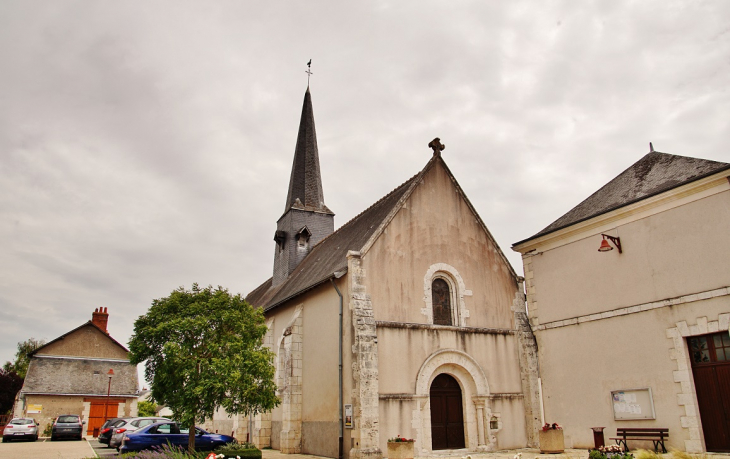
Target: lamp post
(108,392)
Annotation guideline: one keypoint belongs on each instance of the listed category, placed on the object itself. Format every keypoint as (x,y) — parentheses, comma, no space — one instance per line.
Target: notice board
(632,404)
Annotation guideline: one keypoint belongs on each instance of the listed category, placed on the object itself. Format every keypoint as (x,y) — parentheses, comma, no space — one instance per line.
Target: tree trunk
(191,438)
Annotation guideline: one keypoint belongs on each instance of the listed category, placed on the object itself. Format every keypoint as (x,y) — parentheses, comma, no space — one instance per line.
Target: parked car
(68,425)
(163,433)
(21,429)
(130,425)
(107,430)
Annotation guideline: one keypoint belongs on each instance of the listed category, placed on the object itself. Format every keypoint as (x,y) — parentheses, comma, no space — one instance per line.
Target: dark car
(107,430)
(68,426)
(21,429)
(160,434)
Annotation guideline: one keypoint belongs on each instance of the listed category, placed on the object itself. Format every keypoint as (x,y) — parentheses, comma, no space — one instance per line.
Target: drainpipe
(337,275)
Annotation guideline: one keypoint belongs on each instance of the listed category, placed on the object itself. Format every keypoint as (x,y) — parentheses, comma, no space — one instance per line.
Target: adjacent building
(628,295)
(84,372)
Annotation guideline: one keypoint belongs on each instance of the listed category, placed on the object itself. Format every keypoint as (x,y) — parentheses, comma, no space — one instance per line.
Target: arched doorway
(447,413)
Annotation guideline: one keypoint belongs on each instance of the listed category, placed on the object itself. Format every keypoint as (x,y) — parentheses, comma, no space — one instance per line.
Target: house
(407,320)
(628,295)
(84,372)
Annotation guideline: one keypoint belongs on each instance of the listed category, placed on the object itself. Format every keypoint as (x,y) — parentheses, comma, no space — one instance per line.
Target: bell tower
(306,219)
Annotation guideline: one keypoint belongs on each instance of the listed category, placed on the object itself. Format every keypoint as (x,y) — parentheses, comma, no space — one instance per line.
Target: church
(406,321)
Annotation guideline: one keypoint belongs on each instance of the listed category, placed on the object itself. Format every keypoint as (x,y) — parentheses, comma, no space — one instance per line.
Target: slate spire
(306,219)
(305,183)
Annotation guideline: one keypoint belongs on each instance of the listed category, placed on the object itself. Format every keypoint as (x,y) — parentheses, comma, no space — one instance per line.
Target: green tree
(204,350)
(22,357)
(10,384)
(146,408)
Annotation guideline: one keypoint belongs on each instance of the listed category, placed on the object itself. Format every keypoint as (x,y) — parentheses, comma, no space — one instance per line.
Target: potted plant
(551,439)
(400,448)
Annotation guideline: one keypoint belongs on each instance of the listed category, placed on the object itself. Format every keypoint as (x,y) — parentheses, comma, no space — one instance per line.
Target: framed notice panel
(632,404)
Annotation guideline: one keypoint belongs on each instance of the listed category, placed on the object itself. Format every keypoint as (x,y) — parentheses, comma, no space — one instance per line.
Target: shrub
(242,450)
(164,452)
(49,428)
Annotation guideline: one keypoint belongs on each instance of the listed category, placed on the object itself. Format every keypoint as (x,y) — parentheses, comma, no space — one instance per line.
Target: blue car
(162,433)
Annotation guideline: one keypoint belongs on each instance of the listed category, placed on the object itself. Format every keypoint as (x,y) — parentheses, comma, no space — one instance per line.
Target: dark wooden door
(447,413)
(710,355)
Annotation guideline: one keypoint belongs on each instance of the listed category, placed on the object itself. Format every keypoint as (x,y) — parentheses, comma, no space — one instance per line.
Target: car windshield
(68,419)
(21,422)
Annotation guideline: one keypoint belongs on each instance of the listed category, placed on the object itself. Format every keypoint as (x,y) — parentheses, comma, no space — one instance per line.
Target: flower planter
(552,441)
(400,450)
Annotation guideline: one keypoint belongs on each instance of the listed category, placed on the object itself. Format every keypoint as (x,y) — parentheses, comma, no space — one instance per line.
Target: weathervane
(309,71)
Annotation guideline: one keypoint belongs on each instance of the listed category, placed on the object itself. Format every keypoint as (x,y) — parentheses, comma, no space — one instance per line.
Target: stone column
(365,432)
(528,367)
(481,443)
(262,430)
(290,369)
(261,435)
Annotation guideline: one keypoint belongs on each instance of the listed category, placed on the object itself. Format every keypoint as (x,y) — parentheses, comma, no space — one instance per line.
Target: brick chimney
(100,318)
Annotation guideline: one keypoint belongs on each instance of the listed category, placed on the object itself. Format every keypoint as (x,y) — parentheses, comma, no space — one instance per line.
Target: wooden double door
(447,413)
(710,355)
(99,411)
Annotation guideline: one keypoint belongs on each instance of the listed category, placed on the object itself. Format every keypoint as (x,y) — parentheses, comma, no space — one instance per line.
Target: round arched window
(441,298)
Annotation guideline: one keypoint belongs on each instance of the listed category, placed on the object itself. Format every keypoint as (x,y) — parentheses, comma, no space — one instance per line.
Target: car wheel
(6,439)
(53,438)
(35,438)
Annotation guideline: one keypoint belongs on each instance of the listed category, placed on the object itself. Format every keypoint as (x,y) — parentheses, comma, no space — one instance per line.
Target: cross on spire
(309,71)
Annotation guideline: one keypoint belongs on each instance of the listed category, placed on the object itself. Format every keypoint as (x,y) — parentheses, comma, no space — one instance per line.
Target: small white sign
(348,416)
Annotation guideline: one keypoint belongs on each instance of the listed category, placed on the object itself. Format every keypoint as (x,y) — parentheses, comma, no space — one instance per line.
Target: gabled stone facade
(353,324)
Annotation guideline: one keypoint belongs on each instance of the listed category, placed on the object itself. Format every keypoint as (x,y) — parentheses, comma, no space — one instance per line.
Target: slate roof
(68,375)
(305,183)
(330,255)
(653,174)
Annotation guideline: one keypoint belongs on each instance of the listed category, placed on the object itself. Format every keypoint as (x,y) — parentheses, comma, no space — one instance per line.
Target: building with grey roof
(84,372)
(628,296)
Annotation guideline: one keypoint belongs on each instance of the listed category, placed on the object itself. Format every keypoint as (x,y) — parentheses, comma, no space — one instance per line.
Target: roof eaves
(334,275)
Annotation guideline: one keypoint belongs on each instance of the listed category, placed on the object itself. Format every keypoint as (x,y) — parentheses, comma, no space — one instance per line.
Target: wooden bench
(656,434)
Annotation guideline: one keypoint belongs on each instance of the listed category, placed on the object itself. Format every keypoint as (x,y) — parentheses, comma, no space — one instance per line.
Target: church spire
(306,220)
(305,183)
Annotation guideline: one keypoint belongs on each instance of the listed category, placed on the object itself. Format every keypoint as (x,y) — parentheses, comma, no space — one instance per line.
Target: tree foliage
(10,384)
(146,408)
(204,350)
(22,357)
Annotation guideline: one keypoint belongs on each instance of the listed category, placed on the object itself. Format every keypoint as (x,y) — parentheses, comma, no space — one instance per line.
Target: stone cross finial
(437,146)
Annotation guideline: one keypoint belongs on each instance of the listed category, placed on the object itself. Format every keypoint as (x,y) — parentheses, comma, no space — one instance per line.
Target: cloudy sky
(148,145)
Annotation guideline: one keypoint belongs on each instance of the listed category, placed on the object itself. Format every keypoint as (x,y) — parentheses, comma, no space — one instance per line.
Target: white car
(131,425)
(21,429)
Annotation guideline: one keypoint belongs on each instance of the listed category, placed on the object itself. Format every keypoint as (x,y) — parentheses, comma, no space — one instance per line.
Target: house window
(710,348)
(441,299)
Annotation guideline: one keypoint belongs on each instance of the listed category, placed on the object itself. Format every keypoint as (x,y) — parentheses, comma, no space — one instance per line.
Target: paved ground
(46,449)
(101,449)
